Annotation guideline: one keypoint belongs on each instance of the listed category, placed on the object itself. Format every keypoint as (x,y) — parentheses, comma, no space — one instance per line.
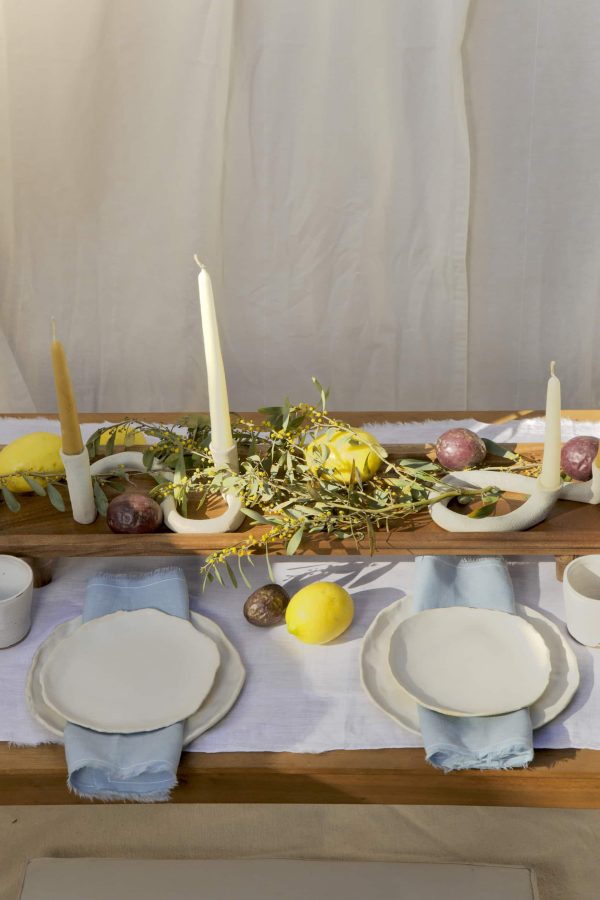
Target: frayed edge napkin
(451,742)
(141,767)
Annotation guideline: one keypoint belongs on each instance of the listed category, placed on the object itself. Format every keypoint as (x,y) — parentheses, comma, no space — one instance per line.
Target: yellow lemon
(319,612)
(124,437)
(336,451)
(35,452)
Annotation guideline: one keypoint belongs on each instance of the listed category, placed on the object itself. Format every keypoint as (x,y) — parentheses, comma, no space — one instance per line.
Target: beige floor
(562,845)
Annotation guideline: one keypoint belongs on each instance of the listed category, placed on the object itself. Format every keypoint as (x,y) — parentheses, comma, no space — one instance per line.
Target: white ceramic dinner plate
(463,661)
(130,672)
(383,689)
(226,688)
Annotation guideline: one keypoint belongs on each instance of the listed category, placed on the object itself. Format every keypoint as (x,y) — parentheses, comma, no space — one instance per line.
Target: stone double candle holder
(535,509)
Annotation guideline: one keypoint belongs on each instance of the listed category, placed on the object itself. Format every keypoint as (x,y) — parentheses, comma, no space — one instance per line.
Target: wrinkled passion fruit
(133,513)
(460,448)
(267,605)
(577,456)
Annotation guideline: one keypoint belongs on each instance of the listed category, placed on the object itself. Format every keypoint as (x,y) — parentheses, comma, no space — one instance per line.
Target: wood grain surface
(557,778)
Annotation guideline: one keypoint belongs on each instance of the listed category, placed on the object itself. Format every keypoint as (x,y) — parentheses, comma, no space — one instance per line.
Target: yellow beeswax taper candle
(220,423)
(72,442)
(550,475)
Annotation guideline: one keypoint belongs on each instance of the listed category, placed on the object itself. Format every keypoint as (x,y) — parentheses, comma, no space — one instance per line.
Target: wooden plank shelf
(38,530)
(557,778)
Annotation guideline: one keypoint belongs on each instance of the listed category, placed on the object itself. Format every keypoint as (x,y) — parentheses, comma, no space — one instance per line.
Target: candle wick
(198,263)
(552,366)
(53,320)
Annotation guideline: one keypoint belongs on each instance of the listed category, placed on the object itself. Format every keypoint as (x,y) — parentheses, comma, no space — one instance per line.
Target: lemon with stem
(337,453)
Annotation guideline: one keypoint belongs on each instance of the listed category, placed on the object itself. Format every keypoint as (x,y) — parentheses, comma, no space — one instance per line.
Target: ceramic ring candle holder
(534,510)
(230,520)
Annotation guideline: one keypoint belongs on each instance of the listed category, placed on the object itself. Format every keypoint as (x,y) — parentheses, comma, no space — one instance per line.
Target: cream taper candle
(220,424)
(550,475)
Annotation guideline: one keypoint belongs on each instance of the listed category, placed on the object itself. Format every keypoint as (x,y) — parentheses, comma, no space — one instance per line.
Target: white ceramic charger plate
(383,689)
(226,688)
(464,661)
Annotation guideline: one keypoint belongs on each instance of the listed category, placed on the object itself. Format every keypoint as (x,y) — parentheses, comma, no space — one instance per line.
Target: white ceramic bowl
(581,590)
(16,591)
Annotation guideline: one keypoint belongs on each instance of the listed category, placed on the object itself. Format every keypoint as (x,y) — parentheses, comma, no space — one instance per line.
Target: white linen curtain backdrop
(401,197)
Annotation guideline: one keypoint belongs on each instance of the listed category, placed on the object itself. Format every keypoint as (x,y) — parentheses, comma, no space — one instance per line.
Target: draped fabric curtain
(401,197)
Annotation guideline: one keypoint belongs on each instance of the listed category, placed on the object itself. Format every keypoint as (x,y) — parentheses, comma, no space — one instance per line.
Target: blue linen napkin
(140,766)
(490,742)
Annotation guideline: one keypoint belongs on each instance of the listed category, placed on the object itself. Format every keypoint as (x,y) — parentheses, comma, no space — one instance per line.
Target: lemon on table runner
(335,452)
(124,436)
(34,452)
(319,612)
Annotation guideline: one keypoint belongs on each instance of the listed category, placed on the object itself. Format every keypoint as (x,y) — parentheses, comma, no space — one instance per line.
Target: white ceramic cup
(581,589)
(16,591)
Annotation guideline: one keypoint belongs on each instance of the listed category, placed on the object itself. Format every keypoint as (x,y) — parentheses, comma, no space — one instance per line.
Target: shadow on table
(550,761)
(356,580)
(350,574)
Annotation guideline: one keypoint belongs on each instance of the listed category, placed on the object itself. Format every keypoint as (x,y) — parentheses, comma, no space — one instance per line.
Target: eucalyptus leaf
(287,406)
(55,498)
(305,510)
(371,536)
(255,516)
(110,444)
(232,577)
(35,486)
(322,391)
(483,512)
(148,458)
(242,573)
(100,498)
(10,500)
(269,567)
(92,446)
(497,450)
(423,465)
(180,465)
(294,541)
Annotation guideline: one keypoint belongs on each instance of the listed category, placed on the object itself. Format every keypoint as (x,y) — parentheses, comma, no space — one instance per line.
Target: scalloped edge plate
(466,661)
(385,692)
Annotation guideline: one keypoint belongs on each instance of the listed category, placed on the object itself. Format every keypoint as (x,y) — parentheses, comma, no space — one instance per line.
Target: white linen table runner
(297,697)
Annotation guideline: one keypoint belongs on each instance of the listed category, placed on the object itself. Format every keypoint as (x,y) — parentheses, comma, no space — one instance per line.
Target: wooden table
(557,778)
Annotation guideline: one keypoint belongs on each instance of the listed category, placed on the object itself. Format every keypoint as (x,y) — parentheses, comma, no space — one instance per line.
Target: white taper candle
(550,474)
(221,436)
